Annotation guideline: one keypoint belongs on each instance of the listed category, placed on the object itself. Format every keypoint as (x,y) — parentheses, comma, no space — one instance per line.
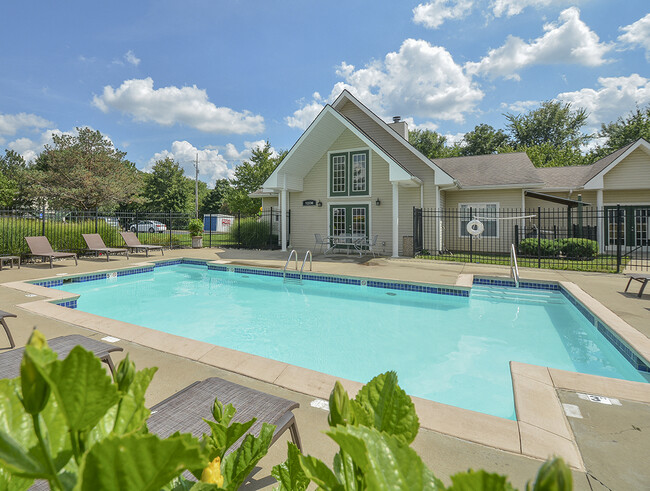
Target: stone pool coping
(540,431)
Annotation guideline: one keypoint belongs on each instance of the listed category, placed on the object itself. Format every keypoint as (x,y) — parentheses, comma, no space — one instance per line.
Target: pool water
(454,350)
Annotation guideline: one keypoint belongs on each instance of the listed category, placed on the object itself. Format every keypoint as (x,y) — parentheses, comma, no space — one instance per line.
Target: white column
(283,216)
(438,244)
(600,209)
(395,220)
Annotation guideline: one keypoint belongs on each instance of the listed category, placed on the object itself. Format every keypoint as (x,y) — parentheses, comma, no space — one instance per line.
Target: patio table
(9,259)
(346,240)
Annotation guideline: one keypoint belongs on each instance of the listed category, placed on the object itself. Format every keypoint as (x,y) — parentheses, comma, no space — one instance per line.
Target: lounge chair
(184,410)
(133,244)
(320,242)
(10,360)
(641,278)
(4,314)
(96,244)
(39,246)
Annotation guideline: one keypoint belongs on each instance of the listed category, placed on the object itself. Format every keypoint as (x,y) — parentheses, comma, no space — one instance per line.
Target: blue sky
(172,78)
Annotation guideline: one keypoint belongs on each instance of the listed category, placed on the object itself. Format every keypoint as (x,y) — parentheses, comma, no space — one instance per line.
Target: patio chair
(372,243)
(96,244)
(133,244)
(39,246)
(4,314)
(185,410)
(320,242)
(641,278)
(10,360)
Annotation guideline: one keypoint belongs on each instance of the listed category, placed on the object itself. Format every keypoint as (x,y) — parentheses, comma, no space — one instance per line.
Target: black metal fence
(169,229)
(608,239)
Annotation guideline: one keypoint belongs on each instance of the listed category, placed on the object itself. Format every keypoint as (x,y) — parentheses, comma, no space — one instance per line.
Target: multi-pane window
(486,214)
(612,229)
(339,174)
(338,221)
(359,166)
(359,221)
(642,226)
(349,173)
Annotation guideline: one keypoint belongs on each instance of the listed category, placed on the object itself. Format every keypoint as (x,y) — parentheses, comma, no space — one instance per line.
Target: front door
(349,219)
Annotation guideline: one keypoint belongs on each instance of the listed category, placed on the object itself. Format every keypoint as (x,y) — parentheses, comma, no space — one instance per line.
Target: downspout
(600,211)
(283,206)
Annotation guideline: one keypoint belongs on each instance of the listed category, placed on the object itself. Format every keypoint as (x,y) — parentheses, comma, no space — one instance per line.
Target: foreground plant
(374,432)
(68,422)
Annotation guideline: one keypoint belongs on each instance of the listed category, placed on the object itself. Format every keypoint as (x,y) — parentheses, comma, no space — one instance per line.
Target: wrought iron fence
(169,229)
(608,239)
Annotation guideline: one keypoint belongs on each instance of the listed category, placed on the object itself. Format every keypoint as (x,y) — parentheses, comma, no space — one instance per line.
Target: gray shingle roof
(491,170)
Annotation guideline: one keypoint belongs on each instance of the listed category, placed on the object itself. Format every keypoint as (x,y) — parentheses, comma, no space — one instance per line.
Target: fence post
(271,229)
(239,229)
(210,223)
(517,237)
(137,226)
(171,242)
(471,252)
(618,238)
(96,218)
(539,236)
(43,218)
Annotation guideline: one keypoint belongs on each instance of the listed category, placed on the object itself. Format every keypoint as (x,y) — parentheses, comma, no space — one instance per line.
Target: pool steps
(516,295)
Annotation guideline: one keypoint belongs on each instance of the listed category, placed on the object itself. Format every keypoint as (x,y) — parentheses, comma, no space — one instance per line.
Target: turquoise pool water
(454,350)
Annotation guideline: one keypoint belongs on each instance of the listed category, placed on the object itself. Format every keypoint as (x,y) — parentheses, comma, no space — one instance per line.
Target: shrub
(579,248)
(195,227)
(547,247)
(251,233)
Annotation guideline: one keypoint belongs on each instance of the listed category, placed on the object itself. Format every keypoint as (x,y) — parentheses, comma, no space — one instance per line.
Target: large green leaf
(132,412)
(235,467)
(385,460)
(141,462)
(18,460)
(554,475)
(339,404)
(223,437)
(317,471)
(290,474)
(83,389)
(11,482)
(479,481)
(347,471)
(394,412)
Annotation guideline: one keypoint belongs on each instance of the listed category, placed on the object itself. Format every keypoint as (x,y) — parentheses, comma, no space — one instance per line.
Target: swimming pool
(444,347)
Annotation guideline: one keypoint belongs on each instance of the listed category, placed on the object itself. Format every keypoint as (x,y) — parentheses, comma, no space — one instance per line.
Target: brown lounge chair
(185,410)
(133,244)
(4,314)
(10,360)
(96,244)
(39,246)
(641,278)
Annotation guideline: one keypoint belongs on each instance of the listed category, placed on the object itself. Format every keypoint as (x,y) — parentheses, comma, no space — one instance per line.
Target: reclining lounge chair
(133,244)
(96,244)
(184,410)
(4,314)
(10,360)
(39,246)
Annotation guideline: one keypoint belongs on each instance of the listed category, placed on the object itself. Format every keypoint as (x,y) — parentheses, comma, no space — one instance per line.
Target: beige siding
(631,173)
(269,202)
(629,196)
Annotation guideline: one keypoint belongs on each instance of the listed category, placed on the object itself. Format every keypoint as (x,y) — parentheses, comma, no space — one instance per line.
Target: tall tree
(553,123)
(15,190)
(214,202)
(483,140)
(626,130)
(166,188)
(85,171)
(249,176)
(432,144)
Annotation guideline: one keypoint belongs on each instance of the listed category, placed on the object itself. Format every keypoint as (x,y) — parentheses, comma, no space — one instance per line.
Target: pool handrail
(514,268)
(291,254)
(308,253)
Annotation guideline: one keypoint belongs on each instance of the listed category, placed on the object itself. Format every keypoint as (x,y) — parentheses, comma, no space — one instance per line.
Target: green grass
(601,264)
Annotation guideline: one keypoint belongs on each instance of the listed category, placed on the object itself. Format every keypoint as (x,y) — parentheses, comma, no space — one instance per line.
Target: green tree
(625,130)
(553,123)
(167,189)
(84,171)
(483,140)
(214,202)
(249,176)
(432,144)
(15,188)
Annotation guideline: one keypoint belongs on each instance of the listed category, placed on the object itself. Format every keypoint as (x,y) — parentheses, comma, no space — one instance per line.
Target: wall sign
(309,202)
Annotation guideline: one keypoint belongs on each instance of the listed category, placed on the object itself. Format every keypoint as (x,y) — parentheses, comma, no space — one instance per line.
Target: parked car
(150,226)
(112,221)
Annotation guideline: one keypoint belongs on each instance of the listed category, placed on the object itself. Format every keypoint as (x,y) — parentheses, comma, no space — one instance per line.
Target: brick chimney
(400,127)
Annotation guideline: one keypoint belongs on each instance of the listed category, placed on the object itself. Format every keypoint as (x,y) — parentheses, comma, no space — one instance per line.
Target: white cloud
(30,149)
(520,106)
(420,80)
(515,7)
(616,97)
(11,123)
(638,34)
(305,115)
(173,105)
(130,57)
(214,162)
(434,13)
(569,40)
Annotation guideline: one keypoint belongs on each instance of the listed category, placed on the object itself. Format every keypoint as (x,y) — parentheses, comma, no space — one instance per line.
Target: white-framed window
(612,230)
(359,171)
(339,168)
(487,213)
(349,173)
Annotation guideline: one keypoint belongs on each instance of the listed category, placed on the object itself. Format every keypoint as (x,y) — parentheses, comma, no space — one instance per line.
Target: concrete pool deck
(457,443)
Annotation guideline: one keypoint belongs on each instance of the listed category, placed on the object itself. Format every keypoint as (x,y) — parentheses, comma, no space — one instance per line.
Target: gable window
(486,212)
(349,173)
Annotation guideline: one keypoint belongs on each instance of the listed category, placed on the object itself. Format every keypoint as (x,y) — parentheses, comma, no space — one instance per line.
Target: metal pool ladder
(291,254)
(514,268)
(304,261)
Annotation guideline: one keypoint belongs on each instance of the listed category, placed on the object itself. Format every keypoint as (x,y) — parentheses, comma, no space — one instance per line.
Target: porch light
(320,203)
(378,202)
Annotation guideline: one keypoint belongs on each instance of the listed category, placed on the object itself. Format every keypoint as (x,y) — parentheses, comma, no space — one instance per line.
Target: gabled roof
(603,166)
(490,171)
